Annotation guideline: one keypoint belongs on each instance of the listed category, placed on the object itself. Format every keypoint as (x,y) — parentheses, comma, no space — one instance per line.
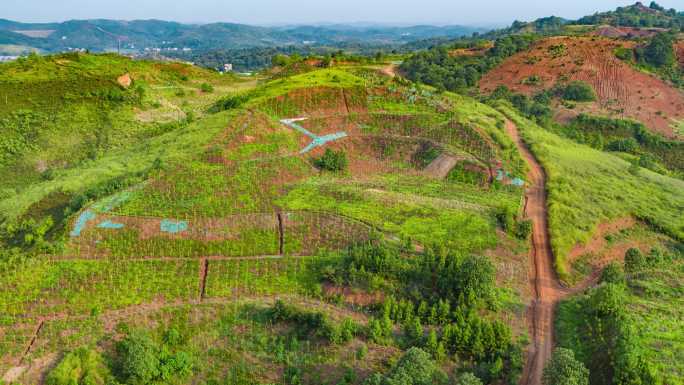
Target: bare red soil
(546,288)
(598,240)
(622,90)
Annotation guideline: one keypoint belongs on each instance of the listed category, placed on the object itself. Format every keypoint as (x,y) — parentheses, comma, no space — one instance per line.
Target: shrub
(613,274)
(523,229)
(415,367)
(634,260)
(629,145)
(80,367)
(660,52)
(206,87)
(331,160)
(468,379)
(626,54)
(576,91)
(505,217)
(231,102)
(564,369)
(142,361)
(139,359)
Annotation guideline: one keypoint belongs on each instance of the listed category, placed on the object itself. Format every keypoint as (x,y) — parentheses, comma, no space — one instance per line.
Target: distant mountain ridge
(103,34)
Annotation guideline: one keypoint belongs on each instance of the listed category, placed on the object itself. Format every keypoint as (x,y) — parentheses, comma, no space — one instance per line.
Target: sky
(270,12)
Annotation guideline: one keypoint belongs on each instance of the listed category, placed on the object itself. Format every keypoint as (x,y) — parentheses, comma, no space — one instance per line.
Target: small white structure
(228,67)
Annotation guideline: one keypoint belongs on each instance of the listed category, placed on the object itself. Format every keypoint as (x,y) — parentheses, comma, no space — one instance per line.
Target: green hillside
(389,218)
(327,224)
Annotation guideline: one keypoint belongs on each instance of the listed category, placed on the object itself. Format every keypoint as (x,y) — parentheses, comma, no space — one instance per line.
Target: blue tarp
(318,141)
(81,222)
(110,225)
(168,226)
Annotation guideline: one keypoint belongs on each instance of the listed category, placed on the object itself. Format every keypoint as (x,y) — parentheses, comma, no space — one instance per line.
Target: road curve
(546,288)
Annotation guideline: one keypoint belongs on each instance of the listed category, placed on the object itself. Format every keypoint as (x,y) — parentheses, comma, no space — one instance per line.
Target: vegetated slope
(679,48)
(622,90)
(588,187)
(230,209)
(61,112)
(637,15)
(640,316)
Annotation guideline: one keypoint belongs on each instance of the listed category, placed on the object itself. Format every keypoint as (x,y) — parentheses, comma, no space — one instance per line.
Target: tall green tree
(564,369)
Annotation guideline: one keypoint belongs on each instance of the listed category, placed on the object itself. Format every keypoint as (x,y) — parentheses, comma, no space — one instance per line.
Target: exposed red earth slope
(622,90)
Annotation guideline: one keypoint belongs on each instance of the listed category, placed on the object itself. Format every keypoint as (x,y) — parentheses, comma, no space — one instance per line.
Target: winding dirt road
(543,280)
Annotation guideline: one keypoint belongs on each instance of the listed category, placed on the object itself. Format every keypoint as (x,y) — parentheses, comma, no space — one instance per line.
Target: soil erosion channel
(546,288)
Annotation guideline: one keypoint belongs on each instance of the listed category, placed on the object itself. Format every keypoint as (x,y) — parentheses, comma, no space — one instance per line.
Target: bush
(415,367)
(634,260)
(626,54)
(660,52)
(576,91)
(524,229)
(564,369)
(613,274)
(80,367)
(206,87)
(468,379)
(629,145)
(140,360)
(231,102)
(505,217)
(331,160)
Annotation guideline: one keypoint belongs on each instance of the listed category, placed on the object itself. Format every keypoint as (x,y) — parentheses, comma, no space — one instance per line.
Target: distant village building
(8,58)
(228,67)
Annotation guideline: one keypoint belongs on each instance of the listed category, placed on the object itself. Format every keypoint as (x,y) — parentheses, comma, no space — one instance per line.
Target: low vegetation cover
(224,207)
(625,330)
(330,221)
(438,68)
(583,192)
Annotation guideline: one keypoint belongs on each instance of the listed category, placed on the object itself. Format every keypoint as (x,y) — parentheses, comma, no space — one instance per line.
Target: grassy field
(222,168)
(588,187)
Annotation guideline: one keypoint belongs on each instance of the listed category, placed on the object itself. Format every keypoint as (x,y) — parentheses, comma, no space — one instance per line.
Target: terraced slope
(234,209)
(622,90)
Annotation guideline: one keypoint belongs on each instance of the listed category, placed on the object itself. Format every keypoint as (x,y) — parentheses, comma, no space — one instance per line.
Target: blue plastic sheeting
(318,141)
(322,140)
(173,227)
(501,175)
(518,182)
(81,222)
(110,225)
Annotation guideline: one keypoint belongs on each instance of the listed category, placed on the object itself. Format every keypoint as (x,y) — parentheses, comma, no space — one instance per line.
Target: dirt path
(390,70)
(546,287)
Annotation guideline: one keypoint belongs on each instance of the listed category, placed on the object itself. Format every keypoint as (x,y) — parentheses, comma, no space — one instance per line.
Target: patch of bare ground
(622,90)
(353,296)
(609,243)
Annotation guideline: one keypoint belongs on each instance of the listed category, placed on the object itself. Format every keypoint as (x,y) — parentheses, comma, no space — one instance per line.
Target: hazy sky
(471,12)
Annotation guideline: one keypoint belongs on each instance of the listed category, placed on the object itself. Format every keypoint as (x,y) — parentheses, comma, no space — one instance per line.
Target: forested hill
(99,35)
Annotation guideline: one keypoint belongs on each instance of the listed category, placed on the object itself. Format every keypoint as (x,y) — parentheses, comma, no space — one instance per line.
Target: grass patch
(587,187)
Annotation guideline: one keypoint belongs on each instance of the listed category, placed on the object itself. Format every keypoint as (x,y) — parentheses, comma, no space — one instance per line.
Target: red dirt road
(545,285)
